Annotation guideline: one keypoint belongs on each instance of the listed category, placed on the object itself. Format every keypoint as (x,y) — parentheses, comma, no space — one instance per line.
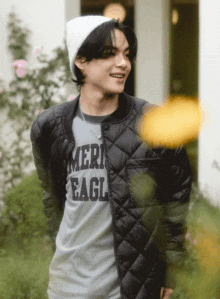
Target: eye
(127,55)
(108,52)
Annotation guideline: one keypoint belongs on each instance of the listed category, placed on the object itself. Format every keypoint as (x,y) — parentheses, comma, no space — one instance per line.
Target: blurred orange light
(174,124)
(175,16)
(115,11)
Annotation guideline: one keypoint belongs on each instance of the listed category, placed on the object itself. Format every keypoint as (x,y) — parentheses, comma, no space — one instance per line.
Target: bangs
(102,36)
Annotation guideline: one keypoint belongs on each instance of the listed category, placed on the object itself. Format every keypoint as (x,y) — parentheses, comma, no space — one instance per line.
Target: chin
(117,90)
(114,93)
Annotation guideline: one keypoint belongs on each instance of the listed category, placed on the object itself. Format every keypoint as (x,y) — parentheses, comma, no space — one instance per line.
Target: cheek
(96,72)
(129,68)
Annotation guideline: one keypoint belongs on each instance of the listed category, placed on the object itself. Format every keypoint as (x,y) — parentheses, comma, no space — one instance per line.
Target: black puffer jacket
(148,234)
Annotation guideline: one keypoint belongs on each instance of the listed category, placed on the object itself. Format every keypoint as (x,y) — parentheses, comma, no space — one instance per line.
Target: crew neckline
(97,119)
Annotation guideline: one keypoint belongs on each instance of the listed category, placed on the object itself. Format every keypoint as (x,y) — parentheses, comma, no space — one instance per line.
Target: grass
(24,273)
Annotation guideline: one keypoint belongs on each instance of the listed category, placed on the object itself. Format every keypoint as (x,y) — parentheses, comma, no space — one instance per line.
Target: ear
(79,62)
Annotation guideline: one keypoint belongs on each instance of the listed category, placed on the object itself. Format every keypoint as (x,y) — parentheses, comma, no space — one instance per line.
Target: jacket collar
(125,105)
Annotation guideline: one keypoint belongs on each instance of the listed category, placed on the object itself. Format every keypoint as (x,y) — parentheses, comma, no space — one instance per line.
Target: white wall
(152,66)
(209,92)
(45,19)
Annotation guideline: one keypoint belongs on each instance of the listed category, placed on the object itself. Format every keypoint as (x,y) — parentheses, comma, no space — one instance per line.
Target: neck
(95,103)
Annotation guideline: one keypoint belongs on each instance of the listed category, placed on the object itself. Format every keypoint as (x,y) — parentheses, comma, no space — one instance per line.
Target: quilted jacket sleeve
(175,208)
(41,160)
(41,153)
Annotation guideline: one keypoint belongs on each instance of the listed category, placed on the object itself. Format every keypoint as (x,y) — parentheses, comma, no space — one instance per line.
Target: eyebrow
(115,48)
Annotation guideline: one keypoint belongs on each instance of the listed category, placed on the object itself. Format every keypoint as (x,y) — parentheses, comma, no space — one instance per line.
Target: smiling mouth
(118,76)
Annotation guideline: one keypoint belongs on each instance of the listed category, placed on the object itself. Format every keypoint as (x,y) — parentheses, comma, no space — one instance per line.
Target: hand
(165,293)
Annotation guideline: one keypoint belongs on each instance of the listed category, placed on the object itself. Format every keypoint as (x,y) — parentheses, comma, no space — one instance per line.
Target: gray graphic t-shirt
(83,266)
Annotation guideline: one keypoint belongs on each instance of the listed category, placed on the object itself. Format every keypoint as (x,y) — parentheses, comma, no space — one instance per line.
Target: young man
(86,152)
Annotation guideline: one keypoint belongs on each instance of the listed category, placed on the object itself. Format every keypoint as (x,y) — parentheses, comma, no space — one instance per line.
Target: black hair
(94,45)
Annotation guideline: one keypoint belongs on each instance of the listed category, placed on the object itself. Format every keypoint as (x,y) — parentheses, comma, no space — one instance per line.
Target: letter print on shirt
(86,170)
(88,174)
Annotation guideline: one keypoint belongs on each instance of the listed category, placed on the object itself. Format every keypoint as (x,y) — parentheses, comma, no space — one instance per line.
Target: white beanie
(77,30)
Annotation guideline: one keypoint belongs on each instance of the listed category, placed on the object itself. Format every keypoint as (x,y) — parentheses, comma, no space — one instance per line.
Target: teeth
(118,76)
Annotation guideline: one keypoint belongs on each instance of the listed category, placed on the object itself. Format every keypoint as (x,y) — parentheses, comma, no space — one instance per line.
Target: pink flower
(20,72)
(36,51)
(19,66)
(20,63)
(38,111)
(1,89)
(71,98)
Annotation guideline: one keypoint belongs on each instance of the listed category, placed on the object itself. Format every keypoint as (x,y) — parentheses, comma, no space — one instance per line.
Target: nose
(121,61)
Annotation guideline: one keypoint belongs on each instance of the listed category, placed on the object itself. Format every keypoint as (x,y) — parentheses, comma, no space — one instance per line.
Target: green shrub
(25,276)
(26,249)
(23,217)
